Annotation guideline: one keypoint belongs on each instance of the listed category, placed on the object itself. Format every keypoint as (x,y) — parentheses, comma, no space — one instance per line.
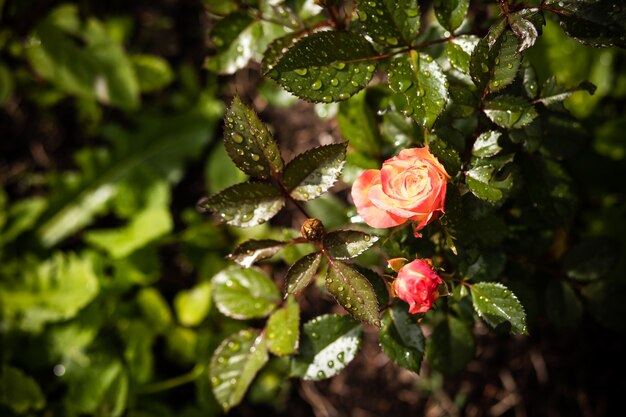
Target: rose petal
(372,215)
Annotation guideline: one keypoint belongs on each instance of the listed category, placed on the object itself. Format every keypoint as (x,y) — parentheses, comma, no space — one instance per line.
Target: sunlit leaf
(496,304)
(234,365)
(302,272)
(459,51)
(252,251)
(346,244)
(193,305)
(495,60)
(511,112)
(244,293)
(283,329)
(328,344)
(598,23)
(326,66)
(486,144)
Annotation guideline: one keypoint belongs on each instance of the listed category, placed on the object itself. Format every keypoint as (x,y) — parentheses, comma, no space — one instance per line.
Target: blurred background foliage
(110,116)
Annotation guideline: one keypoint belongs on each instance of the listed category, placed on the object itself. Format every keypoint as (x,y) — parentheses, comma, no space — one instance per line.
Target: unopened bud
(312,230)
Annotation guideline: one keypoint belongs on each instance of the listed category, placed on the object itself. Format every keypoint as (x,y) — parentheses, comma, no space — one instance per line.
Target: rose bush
(417,285)
(409,186)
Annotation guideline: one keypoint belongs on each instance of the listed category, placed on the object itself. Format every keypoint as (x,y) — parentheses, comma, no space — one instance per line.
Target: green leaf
(563,307)
(33,294)
(7,85)
(153,72)
(155,309)
(358,125)
(249,143)
(450,13)
(352,291)
(421,86)
(20,392)
(488,181)
(313,172)
(244,293)
(553,94)
(511,112)
(252,251)
(90,387)
(496,304)
(193,305)
(156,149)
(328,344)
(486,145)
(283,329)
(495,60)
(445,153)
(346,244)
(235,38)
(599,23)
(220,171)
(401,338)
(451,345)
(82,59)
(591,259)
(459,51)
(275,50)
(246,204)
(390,23)
(234,365)
(326,66)
(149,224)
(302,272)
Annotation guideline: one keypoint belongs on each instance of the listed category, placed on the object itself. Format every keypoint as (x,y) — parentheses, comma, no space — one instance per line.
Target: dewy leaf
(523,27)
(495,60)
(421,86)
(486,145)
(553,94)
(599,23)
(53,290)
(193,305)
(246,204)
(251,251)
(450,13)
(496,304)
(236,39)
(460,50)
(302,272)
(249,143)
(283,329)
(485,182)
(390,23)
(511,112)
(401,338)
(313,172)
(326,66)
(328,344)
(450,346)
(234,365)
(275,50)
(352,291)
(591,259)
(346,244)
(19,391)
(244,293)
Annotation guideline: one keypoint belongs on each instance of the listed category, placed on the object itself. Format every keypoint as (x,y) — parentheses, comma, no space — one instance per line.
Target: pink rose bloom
(417,285)
(410,186)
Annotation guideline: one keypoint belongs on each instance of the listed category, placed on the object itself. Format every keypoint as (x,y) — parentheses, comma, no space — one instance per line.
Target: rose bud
(410,186)
(417,285)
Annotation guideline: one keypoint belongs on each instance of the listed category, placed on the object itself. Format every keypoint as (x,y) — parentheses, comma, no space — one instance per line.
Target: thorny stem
(288,196)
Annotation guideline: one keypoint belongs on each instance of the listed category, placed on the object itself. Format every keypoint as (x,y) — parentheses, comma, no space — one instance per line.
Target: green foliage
(496,304)
(283,329)
(390,23)
(244,293)
(451,345)
(401,339)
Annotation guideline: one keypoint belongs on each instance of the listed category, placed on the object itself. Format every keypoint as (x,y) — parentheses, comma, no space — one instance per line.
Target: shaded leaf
(358,124)
(488,180)
(401,338)
(249,143)
(526,31)
(302,272)
(459,51)
(496,304)
(326,66)
(20,392)
(495,60)
(346,244)
(328,344)
(193,305)
(244,293)
(246,204)
(598,23)
(352,291)
(591,259)
(390,23)
(234,365)
(252,251)
(154,308)
(511,112)
(450,346)
(153,72)
(275,50)
(563,307)
(283,329)
(486,145)
(553,94)
(313,172)
(450,13)
(421,87)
